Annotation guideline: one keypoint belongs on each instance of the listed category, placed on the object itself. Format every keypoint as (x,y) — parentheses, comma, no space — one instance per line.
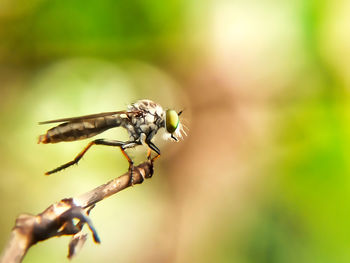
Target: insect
(142,120)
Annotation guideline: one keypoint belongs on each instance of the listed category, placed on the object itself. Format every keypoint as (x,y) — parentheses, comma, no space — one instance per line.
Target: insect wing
(91,116)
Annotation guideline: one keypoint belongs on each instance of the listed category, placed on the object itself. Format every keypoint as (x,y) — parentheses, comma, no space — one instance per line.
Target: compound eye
(172,120)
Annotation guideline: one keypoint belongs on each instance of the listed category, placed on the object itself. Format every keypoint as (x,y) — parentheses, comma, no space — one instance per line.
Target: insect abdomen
(72,131)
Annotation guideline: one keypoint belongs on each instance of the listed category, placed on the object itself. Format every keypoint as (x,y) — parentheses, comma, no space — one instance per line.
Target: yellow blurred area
(263,175)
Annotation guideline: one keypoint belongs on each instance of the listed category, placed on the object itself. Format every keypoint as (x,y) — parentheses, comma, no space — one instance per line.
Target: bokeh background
(263,175)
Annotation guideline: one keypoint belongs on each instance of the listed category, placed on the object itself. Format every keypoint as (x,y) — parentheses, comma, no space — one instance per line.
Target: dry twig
(58,219)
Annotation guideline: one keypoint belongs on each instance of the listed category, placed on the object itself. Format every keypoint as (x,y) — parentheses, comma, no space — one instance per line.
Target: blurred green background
(263,175)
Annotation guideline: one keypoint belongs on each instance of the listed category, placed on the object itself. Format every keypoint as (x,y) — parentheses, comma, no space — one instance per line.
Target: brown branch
(57,219)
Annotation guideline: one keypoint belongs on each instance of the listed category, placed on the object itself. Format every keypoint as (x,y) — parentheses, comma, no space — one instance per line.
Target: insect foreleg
(153,147)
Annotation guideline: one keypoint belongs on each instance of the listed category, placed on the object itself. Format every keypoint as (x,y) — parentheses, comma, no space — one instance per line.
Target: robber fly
(142,120)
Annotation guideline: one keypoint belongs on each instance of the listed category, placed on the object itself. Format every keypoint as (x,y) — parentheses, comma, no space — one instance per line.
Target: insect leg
(81,154)
(131,165)
(153,147)
(149,152)
(122,146)
(76,160)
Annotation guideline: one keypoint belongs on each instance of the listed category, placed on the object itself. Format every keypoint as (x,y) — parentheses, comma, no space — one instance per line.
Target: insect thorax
(148,119)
